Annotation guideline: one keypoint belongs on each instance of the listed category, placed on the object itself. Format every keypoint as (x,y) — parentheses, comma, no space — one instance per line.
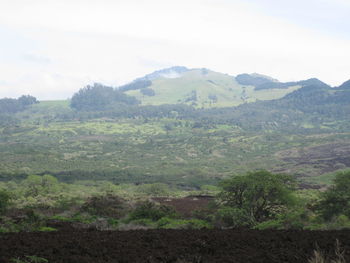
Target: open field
(236,245)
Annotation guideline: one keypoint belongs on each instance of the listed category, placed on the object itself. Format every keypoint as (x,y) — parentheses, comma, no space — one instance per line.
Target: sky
(52,48)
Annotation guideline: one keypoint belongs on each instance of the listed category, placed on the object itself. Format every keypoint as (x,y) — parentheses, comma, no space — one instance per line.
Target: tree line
(8,105)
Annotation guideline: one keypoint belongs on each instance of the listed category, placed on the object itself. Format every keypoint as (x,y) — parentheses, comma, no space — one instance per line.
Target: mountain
(254,79)
(201,88)
(261,82)
(172,72)
(345,85)
(312,82)
(303,130)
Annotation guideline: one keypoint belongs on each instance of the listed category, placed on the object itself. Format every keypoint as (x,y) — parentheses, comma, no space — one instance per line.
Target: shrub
(171,223)
(149,210)
(46,229)
(5,198)
(108,206)
(233,217)
(335,201)
(296,219)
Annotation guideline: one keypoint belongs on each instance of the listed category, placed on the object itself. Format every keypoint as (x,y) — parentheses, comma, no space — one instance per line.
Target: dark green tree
(26,100)
(257,196)
(5,198)
(99,97)
(148,92)
(336,200)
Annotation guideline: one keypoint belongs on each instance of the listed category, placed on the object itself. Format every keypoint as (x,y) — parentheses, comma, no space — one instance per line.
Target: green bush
(149,210)
(171,223)
(107,206)
(339,222)
(5,198)
(270,224)
(295,219)
(336,200)
(46,229)
(233,217)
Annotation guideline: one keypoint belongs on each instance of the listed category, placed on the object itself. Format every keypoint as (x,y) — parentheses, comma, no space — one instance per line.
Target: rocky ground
(70,245)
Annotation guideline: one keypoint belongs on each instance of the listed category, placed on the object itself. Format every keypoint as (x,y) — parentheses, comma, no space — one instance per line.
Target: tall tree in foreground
(336,200)
(256,197)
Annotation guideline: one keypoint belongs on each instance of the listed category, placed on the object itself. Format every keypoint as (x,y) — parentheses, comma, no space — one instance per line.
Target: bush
(171,223)
(295,219)
(335,201)
(46,229)
(233,217)
(108,206)
(5,198)
(149,210)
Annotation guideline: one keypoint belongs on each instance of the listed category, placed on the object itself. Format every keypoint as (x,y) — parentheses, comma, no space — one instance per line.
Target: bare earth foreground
(186,246)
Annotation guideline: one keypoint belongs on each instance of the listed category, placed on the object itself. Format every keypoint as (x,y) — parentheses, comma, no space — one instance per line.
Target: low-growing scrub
(258,200)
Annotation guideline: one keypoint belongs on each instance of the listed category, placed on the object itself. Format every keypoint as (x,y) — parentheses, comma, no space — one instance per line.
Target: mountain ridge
(205,88)
(198,87)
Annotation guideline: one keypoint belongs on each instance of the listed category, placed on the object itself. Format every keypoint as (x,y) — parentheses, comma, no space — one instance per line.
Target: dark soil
(186,246)
(324,158)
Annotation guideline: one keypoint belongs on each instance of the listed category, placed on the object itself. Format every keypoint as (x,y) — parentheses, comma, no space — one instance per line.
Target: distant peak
(265,82)
(172,72)
(345,85)
(313,82)
(258,75)
(254,79)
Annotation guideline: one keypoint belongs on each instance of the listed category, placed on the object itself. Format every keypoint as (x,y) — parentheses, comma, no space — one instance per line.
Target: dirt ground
(181,246)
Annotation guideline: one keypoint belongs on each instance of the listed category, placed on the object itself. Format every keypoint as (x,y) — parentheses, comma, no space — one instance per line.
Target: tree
(15,105)
(5,198)
(148,92)
(26,100)
(260,196)
(99,97)
(39,185)
(336,200)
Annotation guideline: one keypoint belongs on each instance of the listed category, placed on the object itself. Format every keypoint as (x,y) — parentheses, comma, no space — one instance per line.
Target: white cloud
(63,45)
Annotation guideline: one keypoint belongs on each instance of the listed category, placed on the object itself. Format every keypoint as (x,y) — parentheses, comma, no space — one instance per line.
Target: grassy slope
(225,87)
(145,148)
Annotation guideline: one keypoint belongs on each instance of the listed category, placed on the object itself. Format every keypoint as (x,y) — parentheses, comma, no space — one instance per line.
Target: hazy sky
(51,48)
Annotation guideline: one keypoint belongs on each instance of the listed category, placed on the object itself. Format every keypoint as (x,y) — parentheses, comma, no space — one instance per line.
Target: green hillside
(107,135)
(205,88)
